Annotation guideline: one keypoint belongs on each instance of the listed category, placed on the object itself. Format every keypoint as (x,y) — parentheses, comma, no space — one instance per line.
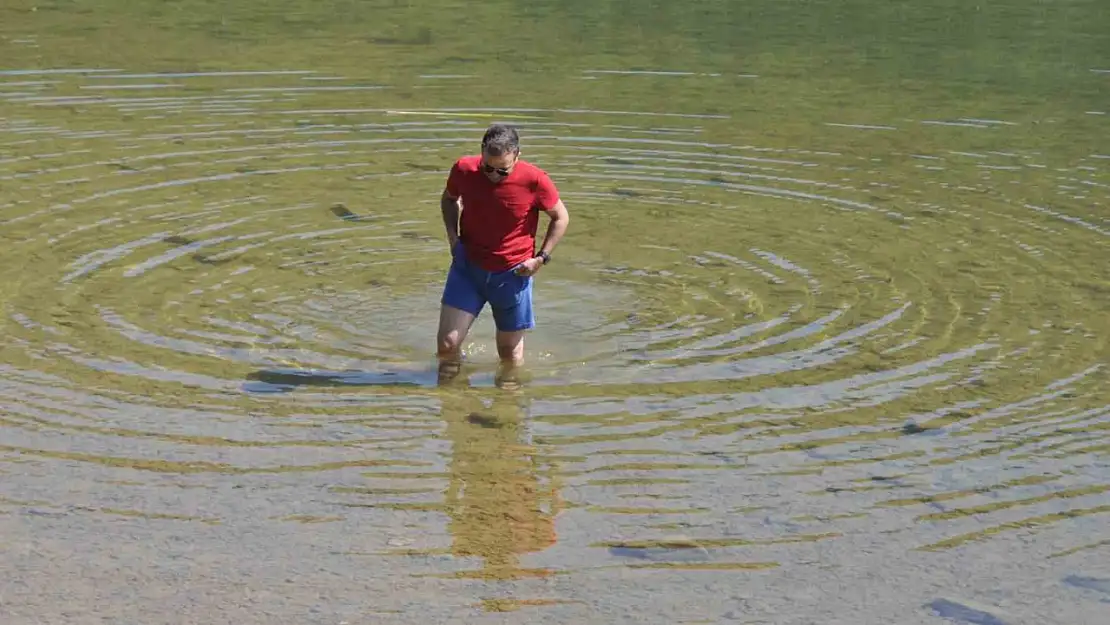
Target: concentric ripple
(221,291)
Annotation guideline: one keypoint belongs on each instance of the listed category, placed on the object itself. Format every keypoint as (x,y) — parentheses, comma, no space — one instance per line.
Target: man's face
(496,168)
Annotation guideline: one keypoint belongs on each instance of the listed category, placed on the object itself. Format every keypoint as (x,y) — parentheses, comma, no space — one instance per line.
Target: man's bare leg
(510,349)
(454,325)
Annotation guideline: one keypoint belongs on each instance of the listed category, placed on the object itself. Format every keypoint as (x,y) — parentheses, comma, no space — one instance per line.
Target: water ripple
(750,356)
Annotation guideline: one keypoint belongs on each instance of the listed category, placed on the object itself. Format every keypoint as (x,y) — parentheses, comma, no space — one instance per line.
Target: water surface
(827,340)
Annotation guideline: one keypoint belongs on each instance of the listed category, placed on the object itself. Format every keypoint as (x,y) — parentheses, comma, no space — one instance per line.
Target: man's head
(500,150)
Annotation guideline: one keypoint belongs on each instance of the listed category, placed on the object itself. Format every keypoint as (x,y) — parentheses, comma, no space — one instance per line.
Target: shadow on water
(286,380)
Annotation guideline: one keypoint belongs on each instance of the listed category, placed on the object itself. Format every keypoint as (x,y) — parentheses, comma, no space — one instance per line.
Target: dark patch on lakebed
(1090,583)
(945,608)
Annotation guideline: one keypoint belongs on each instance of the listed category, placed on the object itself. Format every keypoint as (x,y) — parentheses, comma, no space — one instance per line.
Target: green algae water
(826,341)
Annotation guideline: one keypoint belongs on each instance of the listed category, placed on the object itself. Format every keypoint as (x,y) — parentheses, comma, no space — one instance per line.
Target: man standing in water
(492,237)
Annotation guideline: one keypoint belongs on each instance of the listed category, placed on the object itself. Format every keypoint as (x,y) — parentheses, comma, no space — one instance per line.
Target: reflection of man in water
(498,507)
(492,238)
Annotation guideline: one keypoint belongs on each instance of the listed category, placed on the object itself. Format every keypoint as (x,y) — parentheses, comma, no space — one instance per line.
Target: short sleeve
(547,196)
(454,180)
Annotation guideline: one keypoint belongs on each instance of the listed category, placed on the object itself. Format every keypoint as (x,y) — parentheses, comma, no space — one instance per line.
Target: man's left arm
(556,227)
(549,202)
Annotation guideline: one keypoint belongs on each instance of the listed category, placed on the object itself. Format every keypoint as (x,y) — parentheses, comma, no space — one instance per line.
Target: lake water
(826,341)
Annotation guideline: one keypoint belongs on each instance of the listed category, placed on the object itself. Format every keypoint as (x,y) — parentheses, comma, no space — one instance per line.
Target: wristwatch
(544,255)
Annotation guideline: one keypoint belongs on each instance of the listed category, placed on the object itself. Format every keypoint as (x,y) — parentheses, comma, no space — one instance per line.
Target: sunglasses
(489,169)
(501,171)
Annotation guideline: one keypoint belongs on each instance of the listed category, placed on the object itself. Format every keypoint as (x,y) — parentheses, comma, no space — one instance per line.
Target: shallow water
(826,342)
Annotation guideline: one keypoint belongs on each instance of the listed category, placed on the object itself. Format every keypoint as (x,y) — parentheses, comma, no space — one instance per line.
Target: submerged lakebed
(811,350)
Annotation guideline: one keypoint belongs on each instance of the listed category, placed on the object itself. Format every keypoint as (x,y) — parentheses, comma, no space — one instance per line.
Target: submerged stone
(945,608)
(1091,583)
(670,550)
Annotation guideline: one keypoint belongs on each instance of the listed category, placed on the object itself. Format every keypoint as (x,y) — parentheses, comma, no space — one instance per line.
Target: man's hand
(529,267)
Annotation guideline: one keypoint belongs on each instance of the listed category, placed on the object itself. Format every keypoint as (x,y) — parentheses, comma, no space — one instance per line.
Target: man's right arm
(449,206)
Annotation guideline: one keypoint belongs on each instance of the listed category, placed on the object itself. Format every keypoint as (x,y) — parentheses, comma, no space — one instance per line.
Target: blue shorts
(469,288)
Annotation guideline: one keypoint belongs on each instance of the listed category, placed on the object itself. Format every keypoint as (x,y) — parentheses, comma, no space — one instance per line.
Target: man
(492,237)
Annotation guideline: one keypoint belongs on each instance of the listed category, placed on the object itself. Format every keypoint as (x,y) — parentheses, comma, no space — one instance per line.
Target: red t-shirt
(499,219)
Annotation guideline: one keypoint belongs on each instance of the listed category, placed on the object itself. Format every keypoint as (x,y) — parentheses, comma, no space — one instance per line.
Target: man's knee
(510,346)
(454,324)
(449,343)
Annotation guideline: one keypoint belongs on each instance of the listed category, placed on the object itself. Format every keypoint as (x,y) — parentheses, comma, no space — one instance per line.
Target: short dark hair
(501,139)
